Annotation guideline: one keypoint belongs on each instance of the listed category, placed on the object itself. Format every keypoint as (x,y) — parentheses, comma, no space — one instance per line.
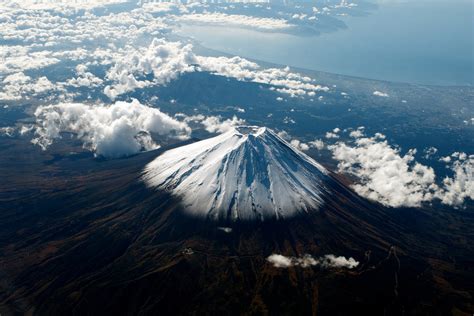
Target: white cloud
(446,159)
(115,130)
(330,135)
(165,60)
(214,124)
(280,261)
(42,85)
(45,28)
(50,29)
(84,78)
(58,5)
(384,175)
(288,120)
(18,86)
(326,262)
(163,7)
(299,145)
(7,131)
(317,143)
(461,185)
(459,155)
(333,134)
(19,58)
(331,261)
(357,133)
(245,21)
(293,141)
(282,79)
(115,41)
(430,152)
(380,94)
(16,78)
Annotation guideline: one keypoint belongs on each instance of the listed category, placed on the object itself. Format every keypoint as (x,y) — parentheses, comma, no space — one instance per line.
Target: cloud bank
(111,131)
(40,36)
(223,19)
(59,5)
(166,61)
(384,175)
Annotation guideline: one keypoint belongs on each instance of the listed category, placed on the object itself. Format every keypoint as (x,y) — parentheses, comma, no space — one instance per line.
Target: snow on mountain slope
(248,173)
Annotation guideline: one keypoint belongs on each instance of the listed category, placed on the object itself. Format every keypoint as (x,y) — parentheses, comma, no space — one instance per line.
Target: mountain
(80,235)
(248,173)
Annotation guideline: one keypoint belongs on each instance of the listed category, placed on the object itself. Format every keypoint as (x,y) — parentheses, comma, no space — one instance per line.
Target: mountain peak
(248,173)
(250,130)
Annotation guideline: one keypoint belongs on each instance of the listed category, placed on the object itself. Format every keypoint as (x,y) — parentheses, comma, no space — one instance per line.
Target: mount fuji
(248,173)
(191,228)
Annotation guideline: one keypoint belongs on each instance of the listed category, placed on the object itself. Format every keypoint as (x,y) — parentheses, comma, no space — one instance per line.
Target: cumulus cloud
(165,60)
(385,175)
(359,132)
(330,135)
(446,159)
(331,261)
(299,145)
(20,58)
(215,124)
(461,186)
(430,152)
(280,261)
(212,123)
(296,143)
(317,143)
(333,134)
(84,78)
(111,131)
(380,94)
(18,85)
(163,7)
(326,262)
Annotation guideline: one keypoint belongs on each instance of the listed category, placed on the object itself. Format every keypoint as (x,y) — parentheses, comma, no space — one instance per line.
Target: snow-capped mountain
(140,253)
(247,173)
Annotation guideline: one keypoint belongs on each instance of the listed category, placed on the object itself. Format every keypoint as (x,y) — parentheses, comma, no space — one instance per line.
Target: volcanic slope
(248,173)
(80,235)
